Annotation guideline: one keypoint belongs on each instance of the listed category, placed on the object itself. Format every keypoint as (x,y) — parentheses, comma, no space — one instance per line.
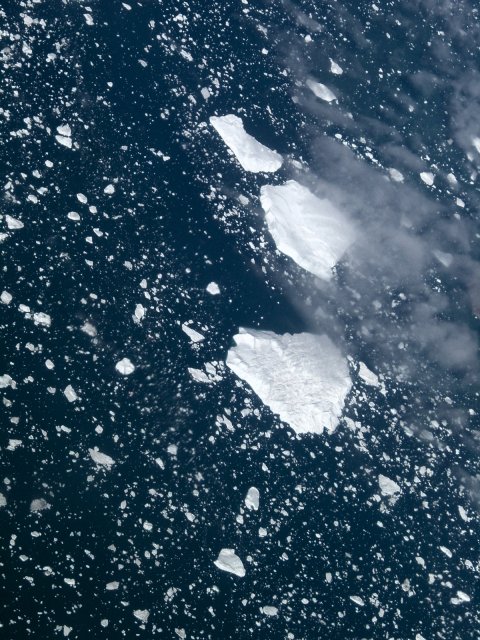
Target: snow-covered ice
(229,561)
(427,177)
(142,614)
(6,297)
(387,486)
(250,153)
(252,499)
(310,230)
(213,289)
(125,366)
(358,600)
(304,378)
(335,68)
(321,91)
(102,459)
(13,223)
(70,393)
(194,336)
(368,376)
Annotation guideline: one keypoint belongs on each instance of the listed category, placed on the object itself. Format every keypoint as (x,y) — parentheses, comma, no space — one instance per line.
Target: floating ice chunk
(199,375)
(310,230)
(269,610)
(303,377)
(427,177)
(64,140)
(65,130)
(3,500)
(250,153)
(461,597)
(70,394)
(88,19)
(125,366)
(6,381)
(358,600)
(452,181)
(368,376)
(13,223)
(213,289)
(395,175)
(73,215)
(335,68)
(41,318)
(194,336)
(6,297)
(476,143)
(81,197)
(252,499)
(39,504)
(229,561)
(321,91)
(101,458)
(387,486)
(142,614)
(109,189)
(112,586)
(139,313)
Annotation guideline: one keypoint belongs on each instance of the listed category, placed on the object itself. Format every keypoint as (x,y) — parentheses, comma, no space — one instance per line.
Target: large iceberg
(310,230)
(251,154)
(304,378)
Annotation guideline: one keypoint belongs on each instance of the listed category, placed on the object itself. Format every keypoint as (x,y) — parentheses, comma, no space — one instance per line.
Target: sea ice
(252,499)
(427,177)
(321,91)
(70,394)
(101,458)
(310,230)
(250,153)
(125,367)
(13,223)
(358,600)
(367,376)
(304,378)
(194,336)
(213,289)
(387,486)
(335,68)
(229,561)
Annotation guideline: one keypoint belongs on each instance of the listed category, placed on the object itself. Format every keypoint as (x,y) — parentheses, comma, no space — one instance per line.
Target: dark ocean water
(174,224)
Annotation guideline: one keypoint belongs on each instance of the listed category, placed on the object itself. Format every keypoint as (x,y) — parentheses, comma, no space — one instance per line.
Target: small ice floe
(6,297)
(101,459)
(6,381)
(213,289)
(321,91)
(88,19)
(358,600)
(3,500)
(387,486)
(142,614)
(229,561)
(252,499)
(70,393)
(250,153)
(125,366)
(335,68)
(13,223)
(194,336)
(112,586)
(109,189)
(13,444)
(199,375)
(39,504)
(73,215)
(395,175)
(269,610)
(368,376)
(211,374)
(139,313)
(427,177)
(64,135)
(460,598)
(41,318)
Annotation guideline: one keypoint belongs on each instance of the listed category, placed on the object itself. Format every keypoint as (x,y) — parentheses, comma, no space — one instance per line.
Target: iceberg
(229,561)
(250,153)
(303,378)
(310,230)
(321,91)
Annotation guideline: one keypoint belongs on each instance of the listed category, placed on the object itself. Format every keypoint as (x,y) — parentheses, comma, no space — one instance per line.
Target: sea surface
(127,78)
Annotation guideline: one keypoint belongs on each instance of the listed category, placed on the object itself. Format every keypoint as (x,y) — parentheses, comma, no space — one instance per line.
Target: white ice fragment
(6,297)
(109,189)
(39,504)
(14,444)
(89,329)
(70,394)
(427,177)
(125,367)
(3,500)
(321,91)
(358,600)
(41,318)
(81,197)
(6,381)
(335,68)
(250,153)
(463,514)
(310,230)
(194,336)
(142,614)
(446,551)
(461,597)
(64,140)
(199,375)
(269,610)
(102,459)
(213,289)
(229,561)
(252,499)
(13,223)
(395,175)
(64,130)
(73,215)
(387,486)
(112,586)
(49,364)
(304,378)
(88,19)
(368,376)
(139,313)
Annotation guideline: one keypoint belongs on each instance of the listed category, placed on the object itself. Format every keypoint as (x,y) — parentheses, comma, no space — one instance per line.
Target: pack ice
(251,154)
(310,230)
(302,377)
